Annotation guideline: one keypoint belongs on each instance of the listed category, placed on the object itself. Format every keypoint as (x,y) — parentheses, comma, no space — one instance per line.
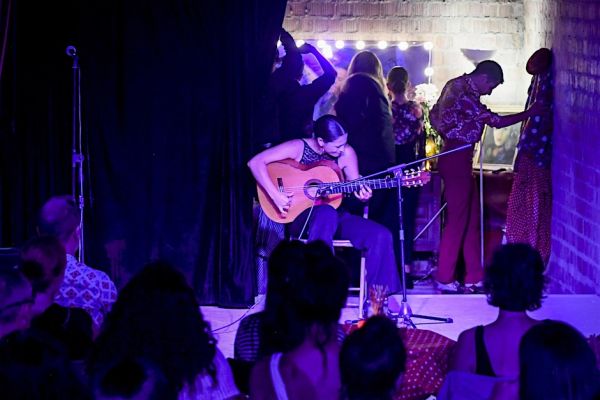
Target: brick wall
(450,25)
(574,266)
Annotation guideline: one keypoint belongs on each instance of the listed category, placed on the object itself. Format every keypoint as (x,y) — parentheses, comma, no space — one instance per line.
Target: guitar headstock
(415,177)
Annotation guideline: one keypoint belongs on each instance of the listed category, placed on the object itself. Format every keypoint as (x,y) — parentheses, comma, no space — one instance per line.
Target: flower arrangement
(427,94)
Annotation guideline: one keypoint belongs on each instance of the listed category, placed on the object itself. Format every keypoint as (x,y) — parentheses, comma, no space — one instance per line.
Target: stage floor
(581,311)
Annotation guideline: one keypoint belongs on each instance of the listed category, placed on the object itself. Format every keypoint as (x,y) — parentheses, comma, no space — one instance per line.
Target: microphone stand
(406,313)
(77,158)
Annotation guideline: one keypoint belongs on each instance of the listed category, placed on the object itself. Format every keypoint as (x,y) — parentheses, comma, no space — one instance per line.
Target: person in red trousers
(459,117)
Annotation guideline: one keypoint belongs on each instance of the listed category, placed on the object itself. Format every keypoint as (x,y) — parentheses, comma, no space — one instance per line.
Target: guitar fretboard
(353,186)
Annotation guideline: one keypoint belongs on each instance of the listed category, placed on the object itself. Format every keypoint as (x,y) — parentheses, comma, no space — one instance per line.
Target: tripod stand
(405,312)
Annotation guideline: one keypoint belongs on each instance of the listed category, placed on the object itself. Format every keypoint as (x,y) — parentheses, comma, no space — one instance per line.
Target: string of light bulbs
(326,47)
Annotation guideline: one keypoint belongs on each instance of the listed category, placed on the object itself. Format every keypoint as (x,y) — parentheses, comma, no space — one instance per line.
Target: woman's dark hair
(157,317)
(491,69)
(556,362)
(397,79)
(329,128)
(126,378)
(43,260)
(514,280)
(371,360)
(313,290)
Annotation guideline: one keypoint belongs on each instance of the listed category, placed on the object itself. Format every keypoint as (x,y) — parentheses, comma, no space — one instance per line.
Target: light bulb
(339,44)
(382,44)
(299,42)
(428,45)
(321,43)
(403,46)
(360,45)
(428,71)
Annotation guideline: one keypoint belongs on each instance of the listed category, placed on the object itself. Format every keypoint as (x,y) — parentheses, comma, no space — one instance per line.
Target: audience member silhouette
(514,282)
(309,368)
(82,286)
(16,299)
(133,379)
(556,363)
(372,361)
(34,367)
(43,261)
(157,318)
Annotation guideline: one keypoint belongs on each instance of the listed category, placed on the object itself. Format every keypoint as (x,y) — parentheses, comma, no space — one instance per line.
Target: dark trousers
(461,233)
(368,236)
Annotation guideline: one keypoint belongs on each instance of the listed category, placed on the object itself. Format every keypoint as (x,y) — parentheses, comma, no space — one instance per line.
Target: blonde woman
(364,110)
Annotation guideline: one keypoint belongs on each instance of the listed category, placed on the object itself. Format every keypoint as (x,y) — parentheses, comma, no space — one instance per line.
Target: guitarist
(329,142)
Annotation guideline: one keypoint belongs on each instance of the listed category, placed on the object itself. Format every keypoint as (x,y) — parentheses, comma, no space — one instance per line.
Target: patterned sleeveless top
(407,126)
(309,156)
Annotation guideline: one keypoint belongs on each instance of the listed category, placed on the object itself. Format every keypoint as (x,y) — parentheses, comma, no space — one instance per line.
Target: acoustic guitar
(321,183)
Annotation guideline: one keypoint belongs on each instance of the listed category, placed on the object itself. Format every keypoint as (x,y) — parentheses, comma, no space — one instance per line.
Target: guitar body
(290,175)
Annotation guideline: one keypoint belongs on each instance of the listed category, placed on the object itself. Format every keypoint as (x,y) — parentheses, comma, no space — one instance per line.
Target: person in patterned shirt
(459,116)
(82,287)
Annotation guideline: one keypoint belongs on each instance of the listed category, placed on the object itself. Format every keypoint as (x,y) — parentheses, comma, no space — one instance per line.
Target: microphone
(71,51)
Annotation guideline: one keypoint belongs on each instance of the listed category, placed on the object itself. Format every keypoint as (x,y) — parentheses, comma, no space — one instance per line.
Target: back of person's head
(491,69)
(16,297)
(43,261)
(59,217)
(320,292)
(157,317)
(133,379)
(34,367)
(329,128)
(397,80)
(540,61)
(372,360)
(366,62)
(556,362)
(312,291)
(283,264)
(514,280)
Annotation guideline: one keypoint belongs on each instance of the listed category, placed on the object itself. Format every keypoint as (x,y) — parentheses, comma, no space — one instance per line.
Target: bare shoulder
(349,159)
(462,357)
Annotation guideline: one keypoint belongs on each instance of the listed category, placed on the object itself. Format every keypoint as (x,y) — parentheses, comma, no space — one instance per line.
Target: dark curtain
(169,93)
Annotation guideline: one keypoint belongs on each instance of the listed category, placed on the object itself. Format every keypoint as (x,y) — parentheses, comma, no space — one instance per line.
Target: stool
(363,275)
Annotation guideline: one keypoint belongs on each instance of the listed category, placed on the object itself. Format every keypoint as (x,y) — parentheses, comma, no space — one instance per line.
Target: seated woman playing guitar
(330,144)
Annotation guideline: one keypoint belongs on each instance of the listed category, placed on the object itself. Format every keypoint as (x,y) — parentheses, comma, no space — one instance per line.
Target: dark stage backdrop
(169,90)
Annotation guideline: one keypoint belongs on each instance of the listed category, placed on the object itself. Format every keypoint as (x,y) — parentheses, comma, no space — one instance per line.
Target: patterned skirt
(529,212)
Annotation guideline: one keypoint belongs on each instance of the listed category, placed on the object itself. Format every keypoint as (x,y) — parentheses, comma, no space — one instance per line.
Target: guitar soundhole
(311,187)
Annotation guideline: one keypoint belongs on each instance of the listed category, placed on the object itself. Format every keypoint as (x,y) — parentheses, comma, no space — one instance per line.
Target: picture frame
(499,144)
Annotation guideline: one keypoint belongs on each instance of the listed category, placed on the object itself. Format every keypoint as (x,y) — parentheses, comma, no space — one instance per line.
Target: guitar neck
(353,186)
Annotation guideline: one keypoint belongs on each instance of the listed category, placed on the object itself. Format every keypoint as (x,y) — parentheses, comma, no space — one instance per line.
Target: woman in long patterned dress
(530,203)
